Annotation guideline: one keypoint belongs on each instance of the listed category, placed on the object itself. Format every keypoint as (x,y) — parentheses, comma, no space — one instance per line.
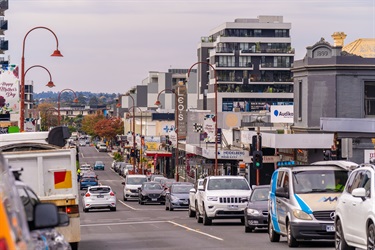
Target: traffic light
(257,159)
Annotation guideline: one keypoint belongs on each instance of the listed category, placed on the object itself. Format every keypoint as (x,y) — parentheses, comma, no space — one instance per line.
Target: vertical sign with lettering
(181,110)
(9,91)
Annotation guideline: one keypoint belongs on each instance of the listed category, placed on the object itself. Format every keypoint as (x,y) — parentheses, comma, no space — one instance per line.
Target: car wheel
(206,221)
(125,199)
(248,229)
(340,242)
(85,210)
(141,202)
(113,208)
(274,236)
(370,237)
(292,242)
(197,214)
(170,207)
(242,221)
(191,213)
(166,207)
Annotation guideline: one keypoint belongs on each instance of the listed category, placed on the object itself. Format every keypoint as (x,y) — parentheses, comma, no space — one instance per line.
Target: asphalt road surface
(135,226)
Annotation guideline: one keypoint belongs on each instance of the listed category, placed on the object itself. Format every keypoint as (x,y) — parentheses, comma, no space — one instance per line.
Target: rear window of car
(259,194)
(90,179)
(99,163)
(100,190)
(181,188)
(153,187)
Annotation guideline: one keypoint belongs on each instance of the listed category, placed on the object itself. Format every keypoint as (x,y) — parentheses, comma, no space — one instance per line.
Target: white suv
(355,211)
(222,197)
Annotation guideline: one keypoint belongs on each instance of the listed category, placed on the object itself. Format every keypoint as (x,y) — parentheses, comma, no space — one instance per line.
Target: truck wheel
(274,236)
(206,221)
(74,245)
(197,214)
(292,242)
(191,213)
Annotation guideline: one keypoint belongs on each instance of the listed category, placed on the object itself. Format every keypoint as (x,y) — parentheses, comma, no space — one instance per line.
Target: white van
(131,185)
(303,199)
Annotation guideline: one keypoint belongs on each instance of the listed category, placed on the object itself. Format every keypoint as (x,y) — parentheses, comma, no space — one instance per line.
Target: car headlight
(299,214)
(127,189)
(212,198)
(252,211)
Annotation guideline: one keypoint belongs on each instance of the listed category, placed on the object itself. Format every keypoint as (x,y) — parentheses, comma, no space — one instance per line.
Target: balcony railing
(234,65)
(277,65)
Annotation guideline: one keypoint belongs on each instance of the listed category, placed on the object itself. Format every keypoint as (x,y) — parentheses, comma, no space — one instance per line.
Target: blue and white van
(302,200)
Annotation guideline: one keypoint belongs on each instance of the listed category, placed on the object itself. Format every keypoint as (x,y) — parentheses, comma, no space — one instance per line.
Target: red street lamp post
(140,134)
(158,103)
(58,101)
(22,84)
(216,118)
(128,94)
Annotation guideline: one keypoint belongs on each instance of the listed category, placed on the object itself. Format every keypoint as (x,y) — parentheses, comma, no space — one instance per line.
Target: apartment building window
(226,61)
(245,61)
(369,98)
(257,33)
(281,33)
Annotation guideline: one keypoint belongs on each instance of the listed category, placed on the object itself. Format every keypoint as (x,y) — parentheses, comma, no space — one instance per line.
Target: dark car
(151,192)
(178,195)
(256,212)
(99,165)
(87,180)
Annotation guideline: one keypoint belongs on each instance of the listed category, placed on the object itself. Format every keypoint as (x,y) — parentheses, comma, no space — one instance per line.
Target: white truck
(50,171)
(222,197)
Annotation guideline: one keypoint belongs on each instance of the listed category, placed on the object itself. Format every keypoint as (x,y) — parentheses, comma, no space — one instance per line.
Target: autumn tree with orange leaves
(109,128)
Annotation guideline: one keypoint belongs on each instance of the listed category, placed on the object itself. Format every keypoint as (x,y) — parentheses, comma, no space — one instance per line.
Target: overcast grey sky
(111,45)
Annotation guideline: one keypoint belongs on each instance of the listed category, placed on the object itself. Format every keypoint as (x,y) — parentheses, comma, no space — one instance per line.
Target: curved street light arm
(58,101)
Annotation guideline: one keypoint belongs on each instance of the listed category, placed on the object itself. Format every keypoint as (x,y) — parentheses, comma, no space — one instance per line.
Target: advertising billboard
(282,114)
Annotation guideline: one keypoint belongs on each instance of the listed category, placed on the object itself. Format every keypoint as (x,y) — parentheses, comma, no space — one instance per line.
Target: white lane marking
(196,231)
(138,209)
(150,222)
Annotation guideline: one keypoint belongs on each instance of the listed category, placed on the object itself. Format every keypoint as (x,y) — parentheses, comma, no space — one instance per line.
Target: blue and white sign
(282,114)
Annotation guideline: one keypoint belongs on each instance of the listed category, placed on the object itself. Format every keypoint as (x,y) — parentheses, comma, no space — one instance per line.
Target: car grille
(134,190)
(324,215)
(153,196)
(230,200)
(265,213)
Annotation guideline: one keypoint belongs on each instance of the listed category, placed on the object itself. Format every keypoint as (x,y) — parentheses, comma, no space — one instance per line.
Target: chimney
(338,38)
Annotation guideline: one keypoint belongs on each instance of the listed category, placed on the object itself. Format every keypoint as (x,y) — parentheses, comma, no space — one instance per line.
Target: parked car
(87,180)
(82,143)
(99,197)
(151,192)
(302,201)
(192,197)
(131,185)
(178,196)
(256,212)
(153,176)
(159,178)
(129,168)
(355,211)
(86,167)
(102,147)
(99,165)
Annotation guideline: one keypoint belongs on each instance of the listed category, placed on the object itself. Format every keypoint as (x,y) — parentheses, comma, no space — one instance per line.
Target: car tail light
(72,209)
(112,194)
(87,194)
(3,244)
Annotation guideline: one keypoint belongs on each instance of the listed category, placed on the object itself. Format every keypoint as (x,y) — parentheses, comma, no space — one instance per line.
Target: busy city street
(150,226)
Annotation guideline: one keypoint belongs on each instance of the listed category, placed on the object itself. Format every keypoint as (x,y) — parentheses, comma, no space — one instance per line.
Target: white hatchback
(99,197)
(355,211)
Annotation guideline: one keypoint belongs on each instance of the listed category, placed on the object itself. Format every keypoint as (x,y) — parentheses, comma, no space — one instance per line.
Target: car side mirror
(359,193)
(123,183)
(63,219)
(46,215)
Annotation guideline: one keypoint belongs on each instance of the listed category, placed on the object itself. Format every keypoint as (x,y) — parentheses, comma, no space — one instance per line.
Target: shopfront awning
(158,153)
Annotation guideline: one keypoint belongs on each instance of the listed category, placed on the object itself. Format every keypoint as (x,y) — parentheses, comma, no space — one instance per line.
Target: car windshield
(319,181)
(181,188)
(99,163)
(90,179)
(259,194)
(98,190)
(221,184)
(153,186)
(129,167)
(136,181)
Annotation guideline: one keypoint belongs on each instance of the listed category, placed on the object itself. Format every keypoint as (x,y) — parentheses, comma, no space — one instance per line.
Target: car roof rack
(347,165)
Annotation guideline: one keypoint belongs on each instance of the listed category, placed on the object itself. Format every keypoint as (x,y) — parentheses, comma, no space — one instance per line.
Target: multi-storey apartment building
(252,59)
(3,27)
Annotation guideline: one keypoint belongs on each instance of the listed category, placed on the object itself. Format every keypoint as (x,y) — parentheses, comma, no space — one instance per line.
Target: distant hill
(84,97)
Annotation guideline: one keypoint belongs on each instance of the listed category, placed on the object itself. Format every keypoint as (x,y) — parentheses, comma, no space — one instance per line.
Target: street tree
(89,122)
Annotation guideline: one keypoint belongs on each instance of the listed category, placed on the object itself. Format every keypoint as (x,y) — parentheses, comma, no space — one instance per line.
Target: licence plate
(154,199)
(330,228)
(232,206)
(100,196)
